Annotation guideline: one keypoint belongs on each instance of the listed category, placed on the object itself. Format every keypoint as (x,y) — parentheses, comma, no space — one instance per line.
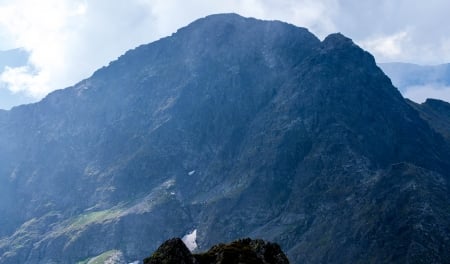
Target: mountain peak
(337,40)
(215,19)
(236,127)
(224,17)
(223,37)
(219,22)
(235,18)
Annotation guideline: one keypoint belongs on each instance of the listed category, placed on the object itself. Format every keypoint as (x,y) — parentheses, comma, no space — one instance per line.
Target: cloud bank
(69,39)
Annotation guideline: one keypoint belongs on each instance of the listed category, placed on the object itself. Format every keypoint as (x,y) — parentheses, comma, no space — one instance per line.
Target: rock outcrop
(247,251)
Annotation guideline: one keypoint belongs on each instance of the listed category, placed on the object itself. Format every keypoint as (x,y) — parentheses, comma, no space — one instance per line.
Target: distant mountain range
(232,127)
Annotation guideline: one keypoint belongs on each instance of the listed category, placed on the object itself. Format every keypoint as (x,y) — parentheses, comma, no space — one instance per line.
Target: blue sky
(69,39)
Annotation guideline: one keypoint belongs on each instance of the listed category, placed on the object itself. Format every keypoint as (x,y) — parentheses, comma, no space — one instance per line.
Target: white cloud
(23,79)
(68,40)
(420,93)
(388,47)
(422,20)
(40,29)
(315,15)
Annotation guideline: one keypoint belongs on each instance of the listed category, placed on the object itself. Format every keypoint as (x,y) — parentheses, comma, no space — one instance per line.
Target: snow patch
(190,240)
(191,173)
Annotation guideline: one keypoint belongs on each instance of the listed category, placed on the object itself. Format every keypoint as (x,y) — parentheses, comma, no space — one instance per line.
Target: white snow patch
(190,240)
(191,173)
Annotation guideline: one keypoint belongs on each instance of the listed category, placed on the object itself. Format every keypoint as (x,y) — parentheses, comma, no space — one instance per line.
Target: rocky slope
(234,127)
(437,114)
(241,251)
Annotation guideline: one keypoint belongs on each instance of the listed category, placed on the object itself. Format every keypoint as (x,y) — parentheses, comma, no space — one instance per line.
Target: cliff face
(235,127)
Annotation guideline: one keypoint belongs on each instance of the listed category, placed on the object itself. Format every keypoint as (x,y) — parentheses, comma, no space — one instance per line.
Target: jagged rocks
(247,251)
(171,251)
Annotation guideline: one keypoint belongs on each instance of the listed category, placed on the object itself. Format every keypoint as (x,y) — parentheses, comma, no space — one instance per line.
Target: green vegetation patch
(100,259)
(84,220)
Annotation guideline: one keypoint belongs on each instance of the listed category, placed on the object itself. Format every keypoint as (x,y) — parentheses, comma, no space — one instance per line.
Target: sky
(69,39)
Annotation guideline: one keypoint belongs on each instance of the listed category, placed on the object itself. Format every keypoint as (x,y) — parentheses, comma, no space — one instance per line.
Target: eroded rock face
(247,251)
(234,127)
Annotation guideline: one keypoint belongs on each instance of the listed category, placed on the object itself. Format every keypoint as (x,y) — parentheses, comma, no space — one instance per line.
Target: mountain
(232,127)
(240,251)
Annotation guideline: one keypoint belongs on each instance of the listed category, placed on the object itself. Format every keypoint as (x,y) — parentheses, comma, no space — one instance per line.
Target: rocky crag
(241,251)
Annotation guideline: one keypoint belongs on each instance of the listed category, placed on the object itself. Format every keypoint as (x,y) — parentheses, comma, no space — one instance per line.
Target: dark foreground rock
(247,251)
